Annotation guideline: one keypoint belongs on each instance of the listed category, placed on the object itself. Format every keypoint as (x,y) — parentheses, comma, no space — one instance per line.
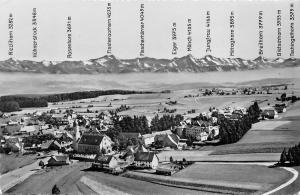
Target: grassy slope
(234,173)
(264,140)
(12,162)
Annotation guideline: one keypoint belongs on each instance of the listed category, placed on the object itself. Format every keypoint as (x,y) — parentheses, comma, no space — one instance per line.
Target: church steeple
(76,135)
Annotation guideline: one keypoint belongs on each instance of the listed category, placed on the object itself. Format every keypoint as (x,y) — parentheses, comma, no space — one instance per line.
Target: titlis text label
(142,30)
(174,39)
(292,30)
(108,13)
(10,35)
(232,38)
(69,36)
(34,33)
(260,33)
(208,37)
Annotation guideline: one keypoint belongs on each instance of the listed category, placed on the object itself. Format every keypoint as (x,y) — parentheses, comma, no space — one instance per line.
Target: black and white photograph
(150,97)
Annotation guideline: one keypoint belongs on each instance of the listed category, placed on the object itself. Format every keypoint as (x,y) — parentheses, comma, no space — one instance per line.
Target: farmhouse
(50,145)
(94,144)
(280,108)
(14,144)
(269,113)
(105,162)
(58,160)
(145,160)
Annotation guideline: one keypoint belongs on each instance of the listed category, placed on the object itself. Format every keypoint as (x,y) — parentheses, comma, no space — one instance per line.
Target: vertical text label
(142,30)
(34,33)
(69,37)
(10,35)
(208,37)
(174,39)
(232,38)
(108,13)
(260,34)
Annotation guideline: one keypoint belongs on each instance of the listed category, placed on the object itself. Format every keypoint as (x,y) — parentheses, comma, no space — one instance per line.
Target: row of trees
(165,122)
(284,98)
(233,130)
(292,156)
(139,124)
(70,96)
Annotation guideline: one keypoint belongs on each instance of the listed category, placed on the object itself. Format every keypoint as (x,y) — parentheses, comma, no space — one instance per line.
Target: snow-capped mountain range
(111,64)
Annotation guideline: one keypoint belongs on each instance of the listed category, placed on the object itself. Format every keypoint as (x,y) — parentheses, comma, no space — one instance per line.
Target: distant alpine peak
(111,64)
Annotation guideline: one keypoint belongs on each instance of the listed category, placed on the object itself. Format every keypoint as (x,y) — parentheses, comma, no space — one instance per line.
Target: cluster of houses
(160,139)
(137,157)
(243,90)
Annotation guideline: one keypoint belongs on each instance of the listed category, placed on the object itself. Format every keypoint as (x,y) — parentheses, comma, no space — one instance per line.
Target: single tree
(55,190)
(41,164)
(283,157)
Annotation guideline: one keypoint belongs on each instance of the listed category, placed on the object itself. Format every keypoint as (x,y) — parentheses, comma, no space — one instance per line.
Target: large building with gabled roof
(94,144)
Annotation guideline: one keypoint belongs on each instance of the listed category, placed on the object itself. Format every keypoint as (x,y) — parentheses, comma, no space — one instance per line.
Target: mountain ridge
(112,64)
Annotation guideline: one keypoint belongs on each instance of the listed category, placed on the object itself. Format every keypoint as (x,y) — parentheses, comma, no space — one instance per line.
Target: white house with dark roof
(148,139)
(94,144)
(145,160)
(105,161)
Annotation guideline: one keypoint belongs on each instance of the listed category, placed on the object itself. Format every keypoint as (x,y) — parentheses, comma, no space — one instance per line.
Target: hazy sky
(89,28)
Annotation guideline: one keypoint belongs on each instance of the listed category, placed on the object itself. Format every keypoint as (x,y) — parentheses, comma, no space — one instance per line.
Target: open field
(247,176)
(235,178)
(12,162)
(152,104)
(206,156)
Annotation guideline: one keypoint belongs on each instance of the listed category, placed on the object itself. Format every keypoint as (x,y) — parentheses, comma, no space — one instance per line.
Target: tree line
(12,103)
(137,124)
(291,155)
(165,122)
(232,131)
(284,98)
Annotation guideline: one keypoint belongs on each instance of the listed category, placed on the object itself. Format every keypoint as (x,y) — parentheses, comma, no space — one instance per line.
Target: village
(66,136)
